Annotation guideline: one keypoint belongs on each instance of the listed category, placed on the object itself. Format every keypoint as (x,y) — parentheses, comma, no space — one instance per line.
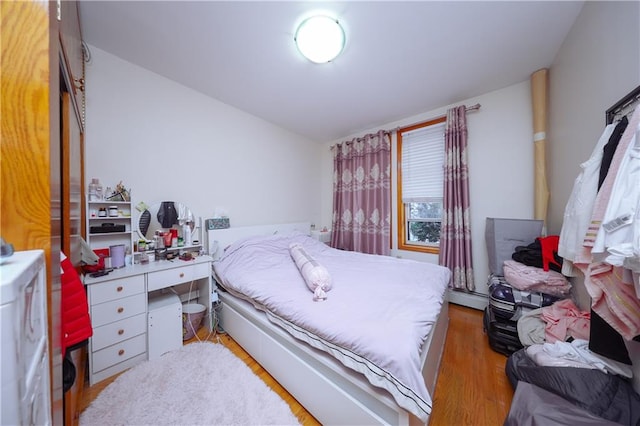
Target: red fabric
(76,322)
(549,246)
(102,254)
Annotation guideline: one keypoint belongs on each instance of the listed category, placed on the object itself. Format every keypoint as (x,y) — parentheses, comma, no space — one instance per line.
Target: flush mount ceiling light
(320,38)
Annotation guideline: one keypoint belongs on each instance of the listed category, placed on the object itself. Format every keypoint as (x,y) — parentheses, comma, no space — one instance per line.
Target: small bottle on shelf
(99,194)
(128,258)
(186,234)
(93,190)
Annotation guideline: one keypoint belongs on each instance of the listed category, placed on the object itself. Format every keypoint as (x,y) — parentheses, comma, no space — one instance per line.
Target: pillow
(315,275)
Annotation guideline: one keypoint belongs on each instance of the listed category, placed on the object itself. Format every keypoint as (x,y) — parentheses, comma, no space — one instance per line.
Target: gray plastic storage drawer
(504,235)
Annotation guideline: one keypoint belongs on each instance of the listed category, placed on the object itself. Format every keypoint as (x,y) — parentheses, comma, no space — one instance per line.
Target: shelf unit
(105,240)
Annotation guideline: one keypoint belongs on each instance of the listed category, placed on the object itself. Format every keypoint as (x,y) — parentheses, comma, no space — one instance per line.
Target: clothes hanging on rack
(615,167)
(610,148)
(577,213)
(617,243)
(614,241)
(607,284)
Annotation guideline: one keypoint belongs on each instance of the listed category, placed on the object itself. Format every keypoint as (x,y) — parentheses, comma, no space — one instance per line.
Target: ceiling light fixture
(320,38)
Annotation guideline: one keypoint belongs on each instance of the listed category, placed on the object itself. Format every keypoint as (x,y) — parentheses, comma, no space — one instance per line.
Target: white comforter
(375,319)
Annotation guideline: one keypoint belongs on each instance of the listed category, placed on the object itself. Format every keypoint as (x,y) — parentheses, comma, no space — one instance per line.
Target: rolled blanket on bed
(315,275)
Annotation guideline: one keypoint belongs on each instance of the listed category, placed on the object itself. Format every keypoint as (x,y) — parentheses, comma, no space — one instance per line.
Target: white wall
(598,64)
(168,142)
(500,167)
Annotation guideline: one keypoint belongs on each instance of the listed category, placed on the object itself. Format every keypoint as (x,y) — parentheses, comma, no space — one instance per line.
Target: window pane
(425,210)
(426,232)
(422,162)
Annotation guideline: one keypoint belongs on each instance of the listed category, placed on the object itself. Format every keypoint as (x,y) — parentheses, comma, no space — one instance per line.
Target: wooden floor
(472,387)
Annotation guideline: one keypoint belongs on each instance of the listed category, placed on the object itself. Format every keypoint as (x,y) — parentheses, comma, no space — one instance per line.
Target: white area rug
(200,384)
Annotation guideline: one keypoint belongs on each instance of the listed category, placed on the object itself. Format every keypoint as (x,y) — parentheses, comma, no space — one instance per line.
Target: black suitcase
(510,303)
(502,333)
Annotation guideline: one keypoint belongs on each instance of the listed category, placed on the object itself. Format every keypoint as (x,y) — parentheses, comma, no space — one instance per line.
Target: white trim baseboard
(472,300)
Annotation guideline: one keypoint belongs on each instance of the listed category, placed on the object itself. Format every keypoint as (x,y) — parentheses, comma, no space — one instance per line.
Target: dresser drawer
(117,310)
(115,332)
(183,274)
(201,270)
(119,352)
(116,289)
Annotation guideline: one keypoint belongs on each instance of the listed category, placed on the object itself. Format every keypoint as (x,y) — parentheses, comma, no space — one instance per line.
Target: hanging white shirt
(577,214)
(618,240)
(617,227)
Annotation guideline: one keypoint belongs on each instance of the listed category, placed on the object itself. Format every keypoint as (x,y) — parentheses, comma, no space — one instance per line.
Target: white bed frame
(218,239)
(331,392)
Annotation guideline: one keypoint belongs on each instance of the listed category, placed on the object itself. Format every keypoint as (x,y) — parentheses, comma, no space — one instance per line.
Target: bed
(379,369)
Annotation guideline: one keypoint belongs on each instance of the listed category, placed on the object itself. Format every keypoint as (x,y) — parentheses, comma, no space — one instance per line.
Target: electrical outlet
(214,297)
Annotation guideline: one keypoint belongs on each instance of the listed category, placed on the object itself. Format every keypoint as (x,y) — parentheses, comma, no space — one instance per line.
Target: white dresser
(25,358)
(119,307)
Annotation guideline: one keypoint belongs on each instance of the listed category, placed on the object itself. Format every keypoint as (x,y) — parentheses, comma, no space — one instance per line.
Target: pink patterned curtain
(362,194)
(455,233)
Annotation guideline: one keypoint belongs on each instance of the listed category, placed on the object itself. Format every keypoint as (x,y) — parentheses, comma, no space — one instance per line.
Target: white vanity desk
(118,304)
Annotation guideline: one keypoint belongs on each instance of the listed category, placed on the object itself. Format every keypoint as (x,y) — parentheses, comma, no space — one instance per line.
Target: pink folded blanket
(531,278)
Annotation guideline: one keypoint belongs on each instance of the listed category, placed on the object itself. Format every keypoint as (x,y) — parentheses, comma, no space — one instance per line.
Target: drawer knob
(181,274)
(121,352)
(120,332)
(120,310)
(119,289)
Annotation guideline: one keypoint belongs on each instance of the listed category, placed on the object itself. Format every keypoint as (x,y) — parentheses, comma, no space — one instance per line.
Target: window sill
(420,249)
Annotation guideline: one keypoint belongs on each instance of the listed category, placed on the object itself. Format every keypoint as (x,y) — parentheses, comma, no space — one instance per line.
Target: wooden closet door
(30,152)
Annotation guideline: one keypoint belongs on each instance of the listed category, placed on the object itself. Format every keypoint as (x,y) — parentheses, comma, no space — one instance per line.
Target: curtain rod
(395,129)
(467,109)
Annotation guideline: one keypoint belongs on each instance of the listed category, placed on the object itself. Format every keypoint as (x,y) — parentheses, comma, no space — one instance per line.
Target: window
(420,185)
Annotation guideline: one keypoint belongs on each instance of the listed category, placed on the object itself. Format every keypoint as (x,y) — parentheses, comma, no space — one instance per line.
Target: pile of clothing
(556,369)
(566,383)
(528,289)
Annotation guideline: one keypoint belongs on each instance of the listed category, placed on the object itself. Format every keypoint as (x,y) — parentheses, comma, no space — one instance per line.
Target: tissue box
(217,223)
